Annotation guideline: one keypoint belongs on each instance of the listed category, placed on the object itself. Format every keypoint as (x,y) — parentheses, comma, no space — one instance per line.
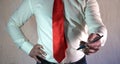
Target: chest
(72,8)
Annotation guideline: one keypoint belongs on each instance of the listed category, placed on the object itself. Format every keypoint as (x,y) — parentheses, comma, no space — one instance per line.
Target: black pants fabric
(81,61)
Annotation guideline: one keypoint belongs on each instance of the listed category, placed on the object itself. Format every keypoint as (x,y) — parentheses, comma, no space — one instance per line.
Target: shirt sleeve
(18,18)
(94,21)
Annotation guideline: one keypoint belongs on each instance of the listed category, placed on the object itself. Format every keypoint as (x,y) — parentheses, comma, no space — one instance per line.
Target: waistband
(81,61)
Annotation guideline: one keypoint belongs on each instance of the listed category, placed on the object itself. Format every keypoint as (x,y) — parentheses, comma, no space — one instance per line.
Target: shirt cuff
(27,47)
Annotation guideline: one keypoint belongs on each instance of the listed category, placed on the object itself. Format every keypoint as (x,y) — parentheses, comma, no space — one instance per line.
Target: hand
(94,46)
(37,51)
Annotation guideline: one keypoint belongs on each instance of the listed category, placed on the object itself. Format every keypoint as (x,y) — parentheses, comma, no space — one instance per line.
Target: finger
(41,46)
(86,51)
(82,43)
(89,51)
(42,56)
(40,49)
(35,57)
(38,46)
(92,37)
(94,45)
(42,52)
(33,52)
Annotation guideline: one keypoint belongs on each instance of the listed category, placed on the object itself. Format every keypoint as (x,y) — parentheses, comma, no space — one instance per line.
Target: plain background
(109,54)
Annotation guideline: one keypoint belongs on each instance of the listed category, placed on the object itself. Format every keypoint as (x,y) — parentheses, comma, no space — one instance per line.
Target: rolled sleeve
(94,21)
(18,18)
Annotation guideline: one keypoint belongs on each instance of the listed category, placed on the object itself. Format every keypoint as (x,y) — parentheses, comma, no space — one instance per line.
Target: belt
(81,61)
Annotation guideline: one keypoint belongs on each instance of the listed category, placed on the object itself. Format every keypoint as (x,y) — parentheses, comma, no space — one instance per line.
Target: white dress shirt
(82,17)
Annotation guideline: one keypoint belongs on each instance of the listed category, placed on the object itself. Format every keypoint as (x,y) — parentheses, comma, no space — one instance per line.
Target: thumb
(92,36)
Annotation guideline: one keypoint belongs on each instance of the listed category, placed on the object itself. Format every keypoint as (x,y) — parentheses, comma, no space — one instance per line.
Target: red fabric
(59,41)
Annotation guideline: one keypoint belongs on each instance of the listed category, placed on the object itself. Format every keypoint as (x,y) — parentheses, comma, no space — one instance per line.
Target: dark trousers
(81,61)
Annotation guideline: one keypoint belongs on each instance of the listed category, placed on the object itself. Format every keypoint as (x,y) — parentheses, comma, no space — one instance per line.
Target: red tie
(59,41)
